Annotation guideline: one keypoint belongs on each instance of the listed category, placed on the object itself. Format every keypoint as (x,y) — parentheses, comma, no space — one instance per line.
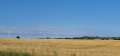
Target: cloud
(51,31)
(54,31)
(33,30)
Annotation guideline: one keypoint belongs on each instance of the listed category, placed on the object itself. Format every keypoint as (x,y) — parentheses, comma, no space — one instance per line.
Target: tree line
(88,37)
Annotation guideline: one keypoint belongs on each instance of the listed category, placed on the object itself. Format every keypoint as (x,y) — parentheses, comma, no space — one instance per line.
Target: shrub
(18,37)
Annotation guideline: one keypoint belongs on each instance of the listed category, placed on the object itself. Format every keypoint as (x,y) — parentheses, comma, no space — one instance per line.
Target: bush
(18,37)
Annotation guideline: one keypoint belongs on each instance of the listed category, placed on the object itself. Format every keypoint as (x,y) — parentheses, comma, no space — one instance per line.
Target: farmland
(61,47)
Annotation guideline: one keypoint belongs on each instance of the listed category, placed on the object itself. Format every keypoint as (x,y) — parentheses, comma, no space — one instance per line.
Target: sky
(80,17)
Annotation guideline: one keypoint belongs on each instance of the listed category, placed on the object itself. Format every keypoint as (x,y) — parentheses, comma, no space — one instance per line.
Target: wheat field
(62,47)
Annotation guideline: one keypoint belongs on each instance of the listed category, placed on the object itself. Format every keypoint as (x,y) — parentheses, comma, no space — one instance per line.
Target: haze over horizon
(67,17)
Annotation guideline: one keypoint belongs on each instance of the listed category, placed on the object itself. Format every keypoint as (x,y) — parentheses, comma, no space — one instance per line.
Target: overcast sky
(82,17)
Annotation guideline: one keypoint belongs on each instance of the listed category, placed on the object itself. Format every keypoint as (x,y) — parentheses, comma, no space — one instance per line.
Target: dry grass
(62,47)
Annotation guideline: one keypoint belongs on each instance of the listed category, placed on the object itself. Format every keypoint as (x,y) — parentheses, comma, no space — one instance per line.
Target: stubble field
(61,47)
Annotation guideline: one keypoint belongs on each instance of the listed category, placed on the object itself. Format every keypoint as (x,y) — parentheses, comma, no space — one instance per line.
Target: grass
(60,47)
(12,53)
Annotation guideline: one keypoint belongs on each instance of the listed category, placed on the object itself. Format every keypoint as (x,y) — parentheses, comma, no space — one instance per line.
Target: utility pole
(44,36)
(9,34)
(57,35)
(30,35)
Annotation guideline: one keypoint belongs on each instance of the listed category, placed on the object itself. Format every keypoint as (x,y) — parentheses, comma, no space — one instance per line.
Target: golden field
(62,47)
